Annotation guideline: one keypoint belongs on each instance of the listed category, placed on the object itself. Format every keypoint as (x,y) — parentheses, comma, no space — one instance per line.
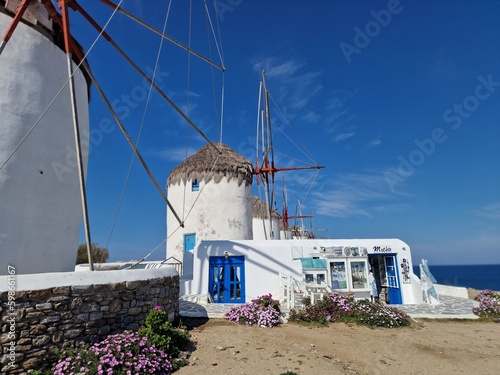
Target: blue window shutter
(189,241)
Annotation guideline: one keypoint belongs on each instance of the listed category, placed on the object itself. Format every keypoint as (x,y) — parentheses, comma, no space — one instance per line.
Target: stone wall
(78,306)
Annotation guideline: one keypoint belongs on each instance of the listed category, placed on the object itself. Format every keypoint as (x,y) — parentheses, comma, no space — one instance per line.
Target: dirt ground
(426,347)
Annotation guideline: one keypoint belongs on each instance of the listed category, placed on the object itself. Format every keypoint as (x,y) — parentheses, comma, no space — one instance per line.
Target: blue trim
(189,241)
(394,290)
(195,186)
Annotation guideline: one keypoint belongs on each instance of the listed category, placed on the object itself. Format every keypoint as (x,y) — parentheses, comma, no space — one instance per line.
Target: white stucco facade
(264,261)
(262,228)
(216,211)
(40,207)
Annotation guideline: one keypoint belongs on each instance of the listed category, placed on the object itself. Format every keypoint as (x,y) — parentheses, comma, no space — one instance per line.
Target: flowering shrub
(262,311)
(331,308)
(267,300)
(155,349)
(373,314)
(124,353)
(339,308)
(163,335)
(489,305)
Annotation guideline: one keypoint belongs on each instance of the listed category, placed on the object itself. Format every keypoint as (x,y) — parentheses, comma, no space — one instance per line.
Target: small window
(309,278)
(189,241)
(195,186)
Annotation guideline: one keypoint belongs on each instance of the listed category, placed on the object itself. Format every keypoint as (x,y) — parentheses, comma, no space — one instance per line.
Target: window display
(358,275)
(338,274)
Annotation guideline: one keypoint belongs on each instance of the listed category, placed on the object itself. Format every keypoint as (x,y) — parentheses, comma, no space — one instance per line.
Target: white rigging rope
(188,97)
(219,49)
(178,227)
(60,90)
(146,107)
(222,62)
(306,151)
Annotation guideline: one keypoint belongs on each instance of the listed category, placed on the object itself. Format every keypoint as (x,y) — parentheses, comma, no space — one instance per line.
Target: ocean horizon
(478,277)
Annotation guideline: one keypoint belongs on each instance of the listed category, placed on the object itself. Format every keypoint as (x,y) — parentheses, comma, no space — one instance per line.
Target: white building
(211,191)
(40,207)
(239,271)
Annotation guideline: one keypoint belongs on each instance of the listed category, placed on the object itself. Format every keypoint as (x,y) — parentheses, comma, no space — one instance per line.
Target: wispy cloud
(343,136)
(374,142)
(339,98)
(356,195)
(175,154)
(294,85)
(490,211)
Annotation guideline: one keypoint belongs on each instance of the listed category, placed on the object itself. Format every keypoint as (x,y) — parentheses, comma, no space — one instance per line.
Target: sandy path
(427,347)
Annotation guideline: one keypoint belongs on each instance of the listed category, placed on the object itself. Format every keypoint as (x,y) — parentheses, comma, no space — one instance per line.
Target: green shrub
(164,336)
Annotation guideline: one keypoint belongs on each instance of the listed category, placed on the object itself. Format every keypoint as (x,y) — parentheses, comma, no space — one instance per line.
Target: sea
(478,277)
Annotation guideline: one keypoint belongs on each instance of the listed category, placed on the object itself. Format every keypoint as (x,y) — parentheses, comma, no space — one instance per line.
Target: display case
(338,275)
(359,274)
(349,274)
(388,272)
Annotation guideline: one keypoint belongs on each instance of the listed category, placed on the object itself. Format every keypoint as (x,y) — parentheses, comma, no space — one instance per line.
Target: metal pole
(64,8)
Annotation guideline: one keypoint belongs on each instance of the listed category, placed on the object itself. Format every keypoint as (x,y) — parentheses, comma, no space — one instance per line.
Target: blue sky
(399,100)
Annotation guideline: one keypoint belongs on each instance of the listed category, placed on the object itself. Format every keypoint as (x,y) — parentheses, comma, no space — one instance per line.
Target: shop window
(338,275)
(358,275)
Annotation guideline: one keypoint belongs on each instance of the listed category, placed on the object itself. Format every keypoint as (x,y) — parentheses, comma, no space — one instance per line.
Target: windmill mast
(266,170)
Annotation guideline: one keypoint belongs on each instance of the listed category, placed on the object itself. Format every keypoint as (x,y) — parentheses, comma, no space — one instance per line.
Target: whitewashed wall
(222,211)
(40,209)
(262,228)
(264,260)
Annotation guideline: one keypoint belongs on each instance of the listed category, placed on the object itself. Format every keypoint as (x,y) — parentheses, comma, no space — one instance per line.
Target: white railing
(288,286)
(174,262)
(317,291)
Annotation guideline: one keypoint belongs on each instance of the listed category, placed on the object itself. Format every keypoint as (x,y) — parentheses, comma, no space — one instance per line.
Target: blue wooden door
(226,281)
(391,269)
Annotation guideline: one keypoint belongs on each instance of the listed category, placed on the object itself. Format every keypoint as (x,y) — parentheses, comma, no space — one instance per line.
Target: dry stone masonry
(47,320)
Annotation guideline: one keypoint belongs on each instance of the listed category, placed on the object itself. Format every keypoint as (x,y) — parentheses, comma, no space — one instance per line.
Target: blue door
(391,269)
(226,280)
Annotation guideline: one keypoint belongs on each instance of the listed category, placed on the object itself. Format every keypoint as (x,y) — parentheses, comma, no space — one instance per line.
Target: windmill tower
(211,191)
(40,207)
(262,227)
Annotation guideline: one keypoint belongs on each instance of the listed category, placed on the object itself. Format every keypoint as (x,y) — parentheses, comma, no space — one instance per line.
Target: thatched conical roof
(208,164)
(260,209)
